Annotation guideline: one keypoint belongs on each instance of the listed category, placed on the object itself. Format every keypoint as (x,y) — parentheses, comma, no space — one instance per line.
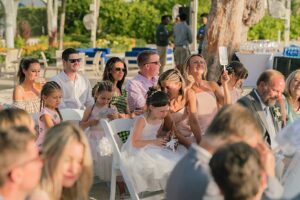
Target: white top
(75,94)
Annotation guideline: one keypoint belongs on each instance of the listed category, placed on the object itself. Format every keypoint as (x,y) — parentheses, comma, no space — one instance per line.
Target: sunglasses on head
(118,69)
(74,60)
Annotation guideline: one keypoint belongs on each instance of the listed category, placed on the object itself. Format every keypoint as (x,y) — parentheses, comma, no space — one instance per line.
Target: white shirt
(75,94)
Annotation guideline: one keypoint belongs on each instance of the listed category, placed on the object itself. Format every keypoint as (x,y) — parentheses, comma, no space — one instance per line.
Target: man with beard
(261,101)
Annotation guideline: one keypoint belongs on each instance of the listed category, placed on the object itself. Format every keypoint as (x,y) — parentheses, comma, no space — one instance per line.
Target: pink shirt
(137,89)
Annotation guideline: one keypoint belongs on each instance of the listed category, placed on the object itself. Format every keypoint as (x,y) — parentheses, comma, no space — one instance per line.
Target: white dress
(149,166)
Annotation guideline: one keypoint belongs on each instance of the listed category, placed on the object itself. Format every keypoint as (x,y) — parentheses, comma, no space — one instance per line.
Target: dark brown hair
(24,65)
(108,70)
(237,170)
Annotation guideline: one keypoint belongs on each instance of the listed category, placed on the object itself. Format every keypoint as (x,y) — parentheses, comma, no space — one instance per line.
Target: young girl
(148,160)
(49,114)
(92,115)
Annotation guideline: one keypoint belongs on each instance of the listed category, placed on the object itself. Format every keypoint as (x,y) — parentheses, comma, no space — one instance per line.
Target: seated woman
(204,96)
(26,94)
(172,82)
(148,160)
(237,74)
(115,71)
(291,109)
(67,172)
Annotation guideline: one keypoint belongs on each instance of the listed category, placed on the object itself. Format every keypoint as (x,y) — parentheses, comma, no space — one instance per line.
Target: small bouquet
(172,144)
(105,147)
(107,111)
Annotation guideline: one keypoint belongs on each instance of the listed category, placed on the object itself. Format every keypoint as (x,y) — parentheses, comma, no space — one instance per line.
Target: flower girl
(148,161)
(90,120)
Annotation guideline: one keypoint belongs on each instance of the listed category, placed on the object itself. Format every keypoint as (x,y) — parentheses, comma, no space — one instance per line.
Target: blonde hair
(172,75)
(15,117)
(186,66)
(54,145)
(288,82)
(233,120)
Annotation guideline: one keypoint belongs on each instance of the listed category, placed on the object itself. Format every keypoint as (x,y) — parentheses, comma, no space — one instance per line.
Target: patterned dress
(121,103)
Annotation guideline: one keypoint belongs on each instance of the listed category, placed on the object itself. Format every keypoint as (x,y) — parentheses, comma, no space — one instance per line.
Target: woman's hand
(225,77)
(160,142)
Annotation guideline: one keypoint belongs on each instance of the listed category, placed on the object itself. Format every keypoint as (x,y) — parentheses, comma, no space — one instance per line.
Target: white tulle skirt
(149,167)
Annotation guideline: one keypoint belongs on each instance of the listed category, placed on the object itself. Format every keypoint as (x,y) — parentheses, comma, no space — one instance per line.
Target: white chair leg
(113,184)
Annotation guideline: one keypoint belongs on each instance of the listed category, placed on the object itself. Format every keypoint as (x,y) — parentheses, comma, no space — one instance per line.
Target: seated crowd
(226,143)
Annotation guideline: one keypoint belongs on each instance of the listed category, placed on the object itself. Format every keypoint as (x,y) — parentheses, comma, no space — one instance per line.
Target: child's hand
(112,116)
(160,142)
(93,122)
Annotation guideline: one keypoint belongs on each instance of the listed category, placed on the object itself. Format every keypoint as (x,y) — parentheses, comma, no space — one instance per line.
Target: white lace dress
(149,166)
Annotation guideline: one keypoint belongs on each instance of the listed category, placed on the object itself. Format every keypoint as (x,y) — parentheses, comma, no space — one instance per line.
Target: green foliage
(268,27)
(19,42)
(37,18)
(119,43)
(295,27)
(75,11)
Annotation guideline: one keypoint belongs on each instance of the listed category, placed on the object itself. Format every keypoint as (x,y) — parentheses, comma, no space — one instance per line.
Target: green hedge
(268,27)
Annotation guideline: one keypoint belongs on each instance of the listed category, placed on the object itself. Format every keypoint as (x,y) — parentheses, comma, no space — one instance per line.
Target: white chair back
(69,114)
(111,129)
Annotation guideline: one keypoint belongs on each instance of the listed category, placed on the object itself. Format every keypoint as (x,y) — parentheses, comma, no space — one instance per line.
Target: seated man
(20,164)
(77,90)
(148,62)
(238,171)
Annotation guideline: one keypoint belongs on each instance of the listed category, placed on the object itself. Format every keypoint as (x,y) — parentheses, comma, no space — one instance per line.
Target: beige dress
(207,108)
(180,118)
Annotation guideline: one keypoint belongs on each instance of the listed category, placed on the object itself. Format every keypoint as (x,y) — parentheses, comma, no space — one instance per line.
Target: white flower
(105,147)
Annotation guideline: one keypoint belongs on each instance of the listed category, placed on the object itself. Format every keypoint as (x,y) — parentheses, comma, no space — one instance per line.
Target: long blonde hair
(172,75)
(54,145)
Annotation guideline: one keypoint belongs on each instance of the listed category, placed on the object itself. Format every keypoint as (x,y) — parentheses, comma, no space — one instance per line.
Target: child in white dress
(90,120)
(148,160)
(49,114)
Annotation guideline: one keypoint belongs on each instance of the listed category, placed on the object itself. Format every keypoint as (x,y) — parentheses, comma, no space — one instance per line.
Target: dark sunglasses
(74,60)
(118,69)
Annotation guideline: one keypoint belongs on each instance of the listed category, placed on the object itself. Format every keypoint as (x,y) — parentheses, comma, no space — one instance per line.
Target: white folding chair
(46,66)
(69,114)
(95,67)
(111,129)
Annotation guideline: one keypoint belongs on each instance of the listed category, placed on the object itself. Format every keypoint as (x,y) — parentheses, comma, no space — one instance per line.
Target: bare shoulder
(18,93)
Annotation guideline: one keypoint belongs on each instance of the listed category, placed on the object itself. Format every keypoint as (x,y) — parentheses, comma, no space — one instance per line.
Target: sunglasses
(74,60)
(118,69)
